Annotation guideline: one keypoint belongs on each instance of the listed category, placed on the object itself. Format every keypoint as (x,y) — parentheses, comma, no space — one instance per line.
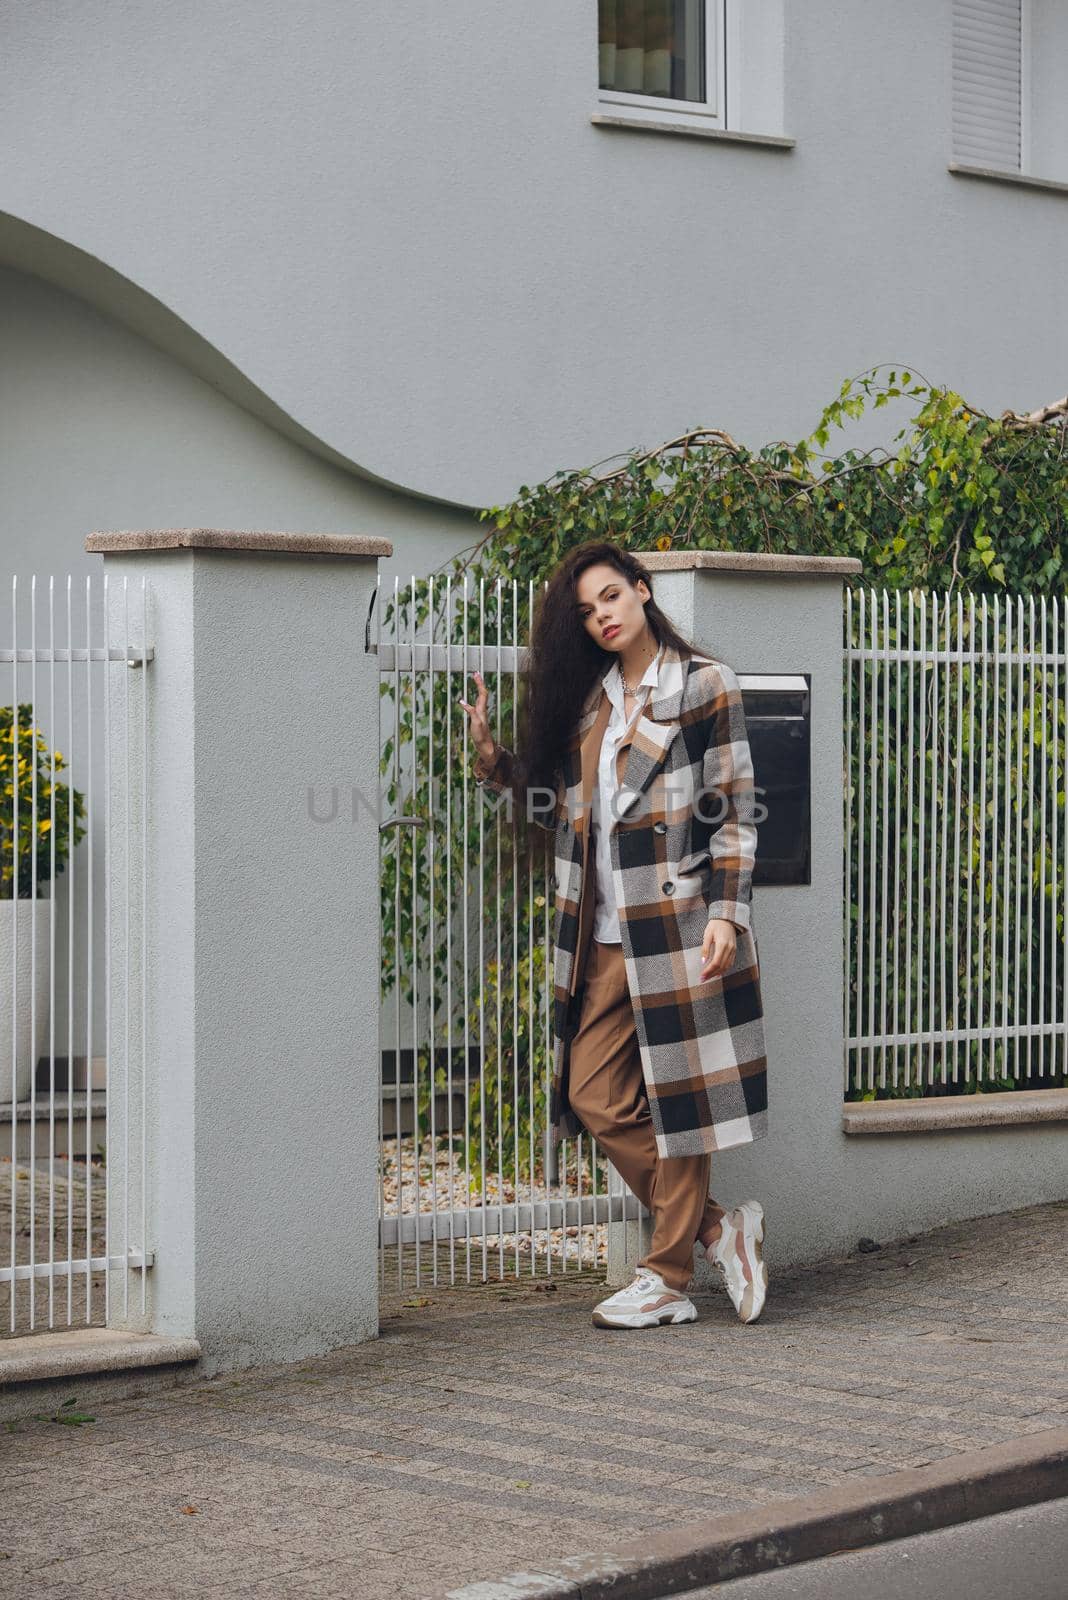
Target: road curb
(850,1516)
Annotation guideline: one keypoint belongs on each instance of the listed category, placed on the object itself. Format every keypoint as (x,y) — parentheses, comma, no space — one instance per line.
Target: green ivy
(961,501)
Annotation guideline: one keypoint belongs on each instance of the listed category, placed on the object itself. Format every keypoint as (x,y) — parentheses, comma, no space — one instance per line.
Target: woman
(634,749)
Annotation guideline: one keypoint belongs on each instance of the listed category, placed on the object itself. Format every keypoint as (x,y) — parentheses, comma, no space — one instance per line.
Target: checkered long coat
(682,852)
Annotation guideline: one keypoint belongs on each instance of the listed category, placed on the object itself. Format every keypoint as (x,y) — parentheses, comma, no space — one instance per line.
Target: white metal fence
(956,878)
(77,1229)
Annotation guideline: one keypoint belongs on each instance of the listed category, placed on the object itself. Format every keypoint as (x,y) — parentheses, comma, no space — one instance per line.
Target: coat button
(660,827)
(669,887)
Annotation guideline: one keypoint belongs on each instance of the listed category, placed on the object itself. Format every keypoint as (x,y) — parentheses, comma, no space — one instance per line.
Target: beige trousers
(607,1090)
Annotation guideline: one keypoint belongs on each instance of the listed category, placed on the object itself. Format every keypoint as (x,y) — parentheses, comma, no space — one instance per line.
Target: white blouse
(606,914)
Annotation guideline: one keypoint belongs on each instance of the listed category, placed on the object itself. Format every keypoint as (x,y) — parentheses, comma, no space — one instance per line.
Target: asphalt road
(1017,1555)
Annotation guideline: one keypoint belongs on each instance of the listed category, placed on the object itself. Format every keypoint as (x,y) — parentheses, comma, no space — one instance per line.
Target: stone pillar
(780,614)
(262,943)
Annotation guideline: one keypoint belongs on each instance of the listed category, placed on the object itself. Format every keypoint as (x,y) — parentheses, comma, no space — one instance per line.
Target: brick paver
(494,1425)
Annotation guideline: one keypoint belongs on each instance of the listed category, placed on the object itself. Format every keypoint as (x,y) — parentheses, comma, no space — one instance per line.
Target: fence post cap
(751,561)
(254,541)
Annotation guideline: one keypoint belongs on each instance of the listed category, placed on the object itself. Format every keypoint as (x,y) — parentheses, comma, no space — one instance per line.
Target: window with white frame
(701,63)
(670,50)
(1010,67)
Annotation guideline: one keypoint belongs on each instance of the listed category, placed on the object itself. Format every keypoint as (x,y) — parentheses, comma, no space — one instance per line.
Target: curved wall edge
(40,254)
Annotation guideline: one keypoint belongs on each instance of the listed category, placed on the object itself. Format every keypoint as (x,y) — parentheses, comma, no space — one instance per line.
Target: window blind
(986,83)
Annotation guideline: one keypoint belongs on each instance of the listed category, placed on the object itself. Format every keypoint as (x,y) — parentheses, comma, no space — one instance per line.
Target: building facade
(366,268)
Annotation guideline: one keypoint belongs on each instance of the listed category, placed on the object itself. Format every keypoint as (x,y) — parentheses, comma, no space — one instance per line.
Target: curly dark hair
(564,661)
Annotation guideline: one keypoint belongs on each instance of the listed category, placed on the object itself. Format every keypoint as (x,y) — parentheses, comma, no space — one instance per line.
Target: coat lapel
(654,731)
(647,745)
(589,749)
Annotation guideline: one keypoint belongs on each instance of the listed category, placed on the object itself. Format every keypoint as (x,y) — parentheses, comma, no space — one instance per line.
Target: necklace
(626,686)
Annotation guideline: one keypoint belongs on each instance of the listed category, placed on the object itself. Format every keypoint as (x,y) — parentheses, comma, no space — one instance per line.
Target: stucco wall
(400,224)
(99,429)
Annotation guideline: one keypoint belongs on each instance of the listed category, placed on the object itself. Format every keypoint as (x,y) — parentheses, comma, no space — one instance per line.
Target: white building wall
(101,430)
(400,224)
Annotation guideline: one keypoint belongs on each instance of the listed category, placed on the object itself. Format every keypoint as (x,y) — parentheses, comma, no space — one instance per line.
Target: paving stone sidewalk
(494,1426)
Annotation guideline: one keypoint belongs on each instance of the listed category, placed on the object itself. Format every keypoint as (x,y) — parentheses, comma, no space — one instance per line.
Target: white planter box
(33,921)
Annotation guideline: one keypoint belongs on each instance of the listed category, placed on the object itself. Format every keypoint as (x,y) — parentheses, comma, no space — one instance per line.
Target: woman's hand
(478,719)
(718,947)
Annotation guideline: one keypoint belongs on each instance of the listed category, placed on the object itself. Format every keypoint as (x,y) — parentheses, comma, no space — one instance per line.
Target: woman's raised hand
(478,718)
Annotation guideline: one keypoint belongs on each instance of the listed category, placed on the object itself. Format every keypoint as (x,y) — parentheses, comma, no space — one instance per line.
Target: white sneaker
(745,1225)
(645,1303)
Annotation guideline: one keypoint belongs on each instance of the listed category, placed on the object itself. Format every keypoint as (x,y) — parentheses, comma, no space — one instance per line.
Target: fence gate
(470,1187)
(72,874)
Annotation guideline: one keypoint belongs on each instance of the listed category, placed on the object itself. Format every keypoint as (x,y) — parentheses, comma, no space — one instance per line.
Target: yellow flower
(664,542)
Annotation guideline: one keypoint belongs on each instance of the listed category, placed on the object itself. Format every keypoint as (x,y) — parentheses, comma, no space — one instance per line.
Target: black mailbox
(777,715)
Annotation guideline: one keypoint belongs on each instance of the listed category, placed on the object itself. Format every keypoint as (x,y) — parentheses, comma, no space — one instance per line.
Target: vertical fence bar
(415,932)
(895,932)
(1021,639)
(499,999)
(449,1045)
(1010,643)
(1062,746)
(33,951)
(515,937)
(51,949)
(531,1050)
(126,962)
(873,924)
(481,941)
(847,919)
(143,944)
(399,1170)
(90,814)
(932,871)
(961,821)
(957,825)
(921,859)
(886,932)
(547,1044)
(1034,657)
(70,972)
(1053,751)
(381,835)
(968,981)
(986,962)
(109,867)
(431,975)
(1044,763)
(910,1016)
(947,701)
(14,936)
(862,934)
(466,943)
